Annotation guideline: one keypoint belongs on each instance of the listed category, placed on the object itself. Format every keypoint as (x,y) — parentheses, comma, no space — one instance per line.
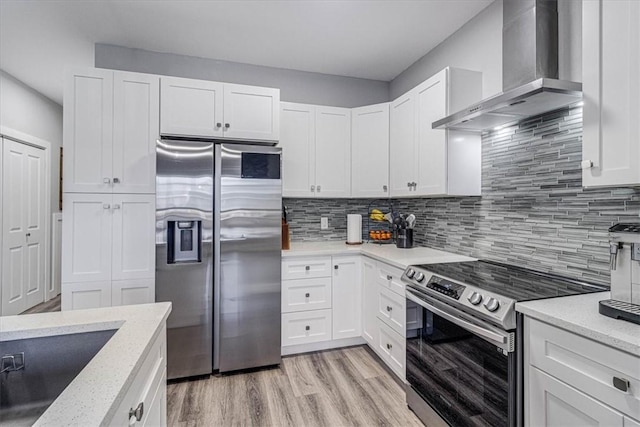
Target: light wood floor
(345,387)
(46,307)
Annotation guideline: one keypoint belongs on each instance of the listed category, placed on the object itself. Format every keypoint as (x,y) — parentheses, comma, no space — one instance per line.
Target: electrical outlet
(324,223)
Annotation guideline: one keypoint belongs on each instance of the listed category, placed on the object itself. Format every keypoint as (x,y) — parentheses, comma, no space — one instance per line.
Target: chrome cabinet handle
(116,180)
(307,295)
(335,267)
(106,180)
(621,384)
(227,125)
(106,206)
(389,346)
(306,267)
(218,125)
(28,234)
(313,188)
(389,308)
(138,412)
(306,328)
(409,185)
(319,188)
(116,206)
(389,277)
(384,188)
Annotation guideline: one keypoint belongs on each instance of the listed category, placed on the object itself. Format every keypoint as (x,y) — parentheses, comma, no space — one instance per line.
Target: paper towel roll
(354,228)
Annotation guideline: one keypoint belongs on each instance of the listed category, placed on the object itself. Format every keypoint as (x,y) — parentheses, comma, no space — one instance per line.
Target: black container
(404,238)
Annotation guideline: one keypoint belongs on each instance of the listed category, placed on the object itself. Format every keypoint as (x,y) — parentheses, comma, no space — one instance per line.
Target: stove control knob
(410,273)
(475,298)
(492,304)
(419,276)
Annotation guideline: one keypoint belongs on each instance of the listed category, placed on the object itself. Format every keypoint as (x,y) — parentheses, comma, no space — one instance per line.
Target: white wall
(27,111)
(294,85)
(478,46)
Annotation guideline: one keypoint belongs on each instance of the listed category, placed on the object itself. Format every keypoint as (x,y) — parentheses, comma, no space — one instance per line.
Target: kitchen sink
(40,369)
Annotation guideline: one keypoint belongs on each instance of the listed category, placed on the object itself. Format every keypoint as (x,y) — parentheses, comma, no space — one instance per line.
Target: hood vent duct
(529,71)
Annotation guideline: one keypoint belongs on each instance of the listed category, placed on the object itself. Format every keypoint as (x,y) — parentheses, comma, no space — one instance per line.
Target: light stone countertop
(579,314)
(94,395)
(389,254)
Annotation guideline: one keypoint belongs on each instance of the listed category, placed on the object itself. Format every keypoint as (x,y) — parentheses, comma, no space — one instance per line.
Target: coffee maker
(624,252)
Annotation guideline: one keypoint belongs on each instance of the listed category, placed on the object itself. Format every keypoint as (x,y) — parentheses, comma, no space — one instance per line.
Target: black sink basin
(50,364)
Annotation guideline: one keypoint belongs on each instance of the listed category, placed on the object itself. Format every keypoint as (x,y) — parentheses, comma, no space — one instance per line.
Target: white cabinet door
(86,237)
(554,403)
(88,131)
(431,144)
(133,249)
(137,291)
(628,422)
(23,247)
(136,127)
(391,347)
(370,302)
(297,140)
(347,297)
(251,113)
(391,310)
(306,327)
(370,151)
(402,153)
(611,93)
(80,296)
(306,294)
(333,152)
(191,107)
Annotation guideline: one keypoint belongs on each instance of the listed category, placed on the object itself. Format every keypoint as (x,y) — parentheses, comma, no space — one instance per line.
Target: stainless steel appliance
(529,71)
(464,358)
(625,273)
(218,254)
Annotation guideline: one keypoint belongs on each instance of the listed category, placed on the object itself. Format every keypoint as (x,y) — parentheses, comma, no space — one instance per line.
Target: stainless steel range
(464,358)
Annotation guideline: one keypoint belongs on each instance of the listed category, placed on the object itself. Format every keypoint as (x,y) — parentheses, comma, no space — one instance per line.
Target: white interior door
(23,227)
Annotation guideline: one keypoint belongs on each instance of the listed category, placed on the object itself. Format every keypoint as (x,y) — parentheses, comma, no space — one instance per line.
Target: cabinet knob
(106,206)
(313,188)
(218,125)
(306,328)
(106,180)
(319,188)
(307,295)
(409,184)
(389,308)
(138,412)
(389,277)
(384,188)
(227,125)
(116,180)
(335,267)
(389,346)
(306,267)
(586,164)
(28,234)
(116,206)
(621,384)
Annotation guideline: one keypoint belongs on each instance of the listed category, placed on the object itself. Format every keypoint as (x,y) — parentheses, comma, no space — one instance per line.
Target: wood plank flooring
(46,307)
(343,387)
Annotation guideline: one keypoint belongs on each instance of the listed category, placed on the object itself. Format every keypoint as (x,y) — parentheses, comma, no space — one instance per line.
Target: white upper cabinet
(316,151)
(611,93)
(206,109)
(402,147)
(110,128)
(370,151)
(435,162)
(251,112)
(333,152)
(297,140)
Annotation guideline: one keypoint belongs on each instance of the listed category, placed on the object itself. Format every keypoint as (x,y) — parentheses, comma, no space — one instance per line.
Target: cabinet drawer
(586,365)
(306,294)
(306,327)
(391,347)
(389,277)
(391,310)
(306,268)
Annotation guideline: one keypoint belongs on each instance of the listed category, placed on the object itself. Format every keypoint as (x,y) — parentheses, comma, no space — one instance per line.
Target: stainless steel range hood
(529,71)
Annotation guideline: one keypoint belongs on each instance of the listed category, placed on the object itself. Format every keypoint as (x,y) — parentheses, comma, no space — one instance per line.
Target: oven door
(462,368)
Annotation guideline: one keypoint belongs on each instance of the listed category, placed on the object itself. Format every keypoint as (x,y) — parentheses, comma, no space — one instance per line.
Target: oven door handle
(471,327)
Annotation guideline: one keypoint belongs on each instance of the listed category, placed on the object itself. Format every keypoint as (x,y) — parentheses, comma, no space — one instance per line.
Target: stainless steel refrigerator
(218,254)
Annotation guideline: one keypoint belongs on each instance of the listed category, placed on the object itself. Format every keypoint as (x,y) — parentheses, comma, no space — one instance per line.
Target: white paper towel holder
(354,243)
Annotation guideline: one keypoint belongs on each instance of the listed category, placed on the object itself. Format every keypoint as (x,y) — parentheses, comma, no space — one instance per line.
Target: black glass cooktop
(511,281)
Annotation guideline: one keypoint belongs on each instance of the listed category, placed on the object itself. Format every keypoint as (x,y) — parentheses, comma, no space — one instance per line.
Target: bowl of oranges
(379,235)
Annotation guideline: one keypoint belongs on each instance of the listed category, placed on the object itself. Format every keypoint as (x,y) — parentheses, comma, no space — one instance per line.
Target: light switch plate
(324,223)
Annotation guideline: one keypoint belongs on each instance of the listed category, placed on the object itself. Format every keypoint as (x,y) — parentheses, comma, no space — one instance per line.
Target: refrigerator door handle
(233,239)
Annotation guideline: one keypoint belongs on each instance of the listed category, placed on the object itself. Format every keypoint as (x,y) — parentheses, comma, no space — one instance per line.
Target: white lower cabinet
(347,297)
(391,310)
(145,402)
(306,327)
(392,349)
(78,296)
(128,292)
(370,293)
(571,380)
(306,294)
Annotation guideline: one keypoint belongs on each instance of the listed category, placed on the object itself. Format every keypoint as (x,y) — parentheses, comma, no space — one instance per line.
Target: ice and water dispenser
(184,241)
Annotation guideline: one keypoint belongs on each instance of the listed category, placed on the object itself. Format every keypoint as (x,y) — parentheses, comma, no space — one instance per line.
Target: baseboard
(324,345)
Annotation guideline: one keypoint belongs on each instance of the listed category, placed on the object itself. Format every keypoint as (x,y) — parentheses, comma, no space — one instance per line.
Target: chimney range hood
(529,71)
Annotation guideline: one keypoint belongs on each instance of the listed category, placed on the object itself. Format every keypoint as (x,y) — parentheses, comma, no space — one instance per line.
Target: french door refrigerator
(218,254)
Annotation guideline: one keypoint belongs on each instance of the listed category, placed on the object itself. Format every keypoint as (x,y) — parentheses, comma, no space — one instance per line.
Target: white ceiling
(367,39)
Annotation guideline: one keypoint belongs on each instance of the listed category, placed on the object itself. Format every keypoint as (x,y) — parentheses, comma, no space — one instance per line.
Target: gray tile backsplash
(533,210)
